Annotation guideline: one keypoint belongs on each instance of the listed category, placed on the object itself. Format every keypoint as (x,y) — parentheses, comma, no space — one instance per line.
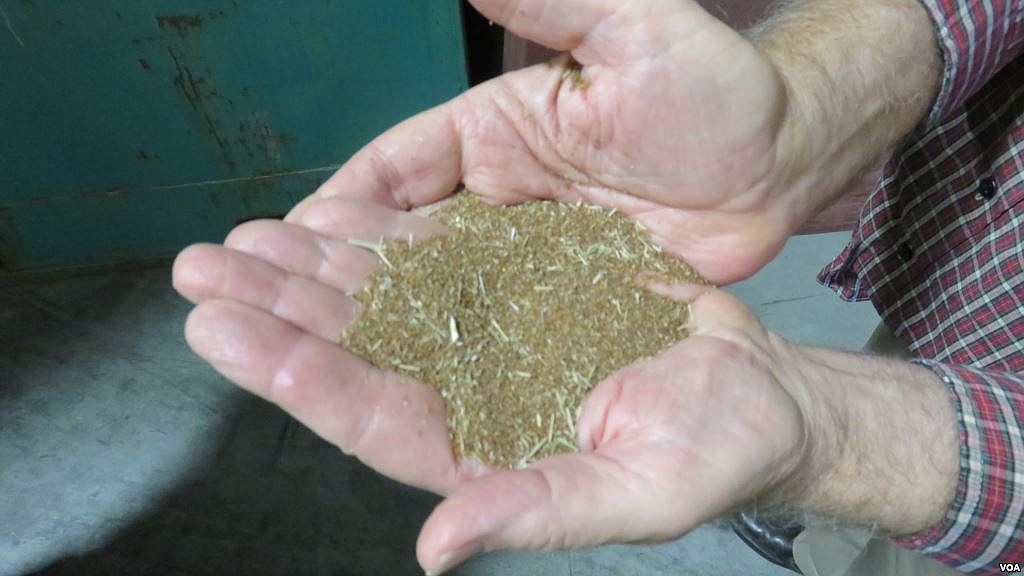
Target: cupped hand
(666,445)
(271,304)
(672,118)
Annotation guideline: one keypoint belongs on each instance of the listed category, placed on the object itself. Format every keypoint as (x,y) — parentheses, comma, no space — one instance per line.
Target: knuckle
(244,236)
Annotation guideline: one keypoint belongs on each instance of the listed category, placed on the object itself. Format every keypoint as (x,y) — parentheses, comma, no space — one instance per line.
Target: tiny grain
(515,316)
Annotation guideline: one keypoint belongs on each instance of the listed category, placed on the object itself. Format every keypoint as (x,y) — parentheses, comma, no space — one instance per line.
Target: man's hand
(271,305)
(730,415)
(673,118)
(734,415)
(721,151)
(665,444)
(720,147)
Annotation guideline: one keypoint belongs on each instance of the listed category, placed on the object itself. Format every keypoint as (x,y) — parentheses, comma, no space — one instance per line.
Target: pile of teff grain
(515,316)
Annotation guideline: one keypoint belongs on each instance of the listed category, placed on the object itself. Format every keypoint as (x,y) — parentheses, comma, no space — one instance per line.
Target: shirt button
(905,252)
(987,189)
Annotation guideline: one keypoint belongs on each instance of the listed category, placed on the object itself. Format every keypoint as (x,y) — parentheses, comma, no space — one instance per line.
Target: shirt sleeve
(976,38)
(984,525)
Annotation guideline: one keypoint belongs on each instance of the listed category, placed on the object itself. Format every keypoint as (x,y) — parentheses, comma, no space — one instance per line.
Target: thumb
(559,24)
(570,501)
(711,309)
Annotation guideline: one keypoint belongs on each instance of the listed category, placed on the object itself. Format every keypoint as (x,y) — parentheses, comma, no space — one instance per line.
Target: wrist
(882,443)
(859,76)
(809,458)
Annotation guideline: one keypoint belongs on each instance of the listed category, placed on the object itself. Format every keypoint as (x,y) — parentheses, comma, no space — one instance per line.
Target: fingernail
(440,568)
(449,559)
(443,564)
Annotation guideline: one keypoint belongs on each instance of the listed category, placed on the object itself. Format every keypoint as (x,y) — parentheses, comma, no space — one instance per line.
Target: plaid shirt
(940,252)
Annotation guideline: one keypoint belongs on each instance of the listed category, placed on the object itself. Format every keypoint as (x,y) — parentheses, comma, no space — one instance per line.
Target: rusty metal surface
(133,128)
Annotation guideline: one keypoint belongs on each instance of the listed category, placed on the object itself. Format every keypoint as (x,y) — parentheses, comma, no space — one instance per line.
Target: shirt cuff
(983,527)
(976,39)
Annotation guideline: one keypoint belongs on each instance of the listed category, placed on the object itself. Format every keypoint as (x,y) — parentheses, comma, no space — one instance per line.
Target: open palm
(674,121)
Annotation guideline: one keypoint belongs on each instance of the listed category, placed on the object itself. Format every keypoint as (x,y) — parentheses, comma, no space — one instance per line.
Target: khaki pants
(824,550)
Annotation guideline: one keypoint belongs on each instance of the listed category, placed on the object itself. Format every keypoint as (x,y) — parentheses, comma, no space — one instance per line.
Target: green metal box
(130,129)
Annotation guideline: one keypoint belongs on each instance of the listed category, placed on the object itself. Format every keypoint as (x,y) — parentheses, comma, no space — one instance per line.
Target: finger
(417,162)
(300,251)
(210,272)
(316,244)
(361,220)
(558,24)
(570,501)
(711,309)
(392,423)
(681,291)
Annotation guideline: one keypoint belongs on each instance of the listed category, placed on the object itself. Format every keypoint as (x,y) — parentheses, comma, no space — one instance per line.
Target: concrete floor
(122,453)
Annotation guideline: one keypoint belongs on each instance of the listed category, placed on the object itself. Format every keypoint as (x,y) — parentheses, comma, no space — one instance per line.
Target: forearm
(860,75)
(882,440)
